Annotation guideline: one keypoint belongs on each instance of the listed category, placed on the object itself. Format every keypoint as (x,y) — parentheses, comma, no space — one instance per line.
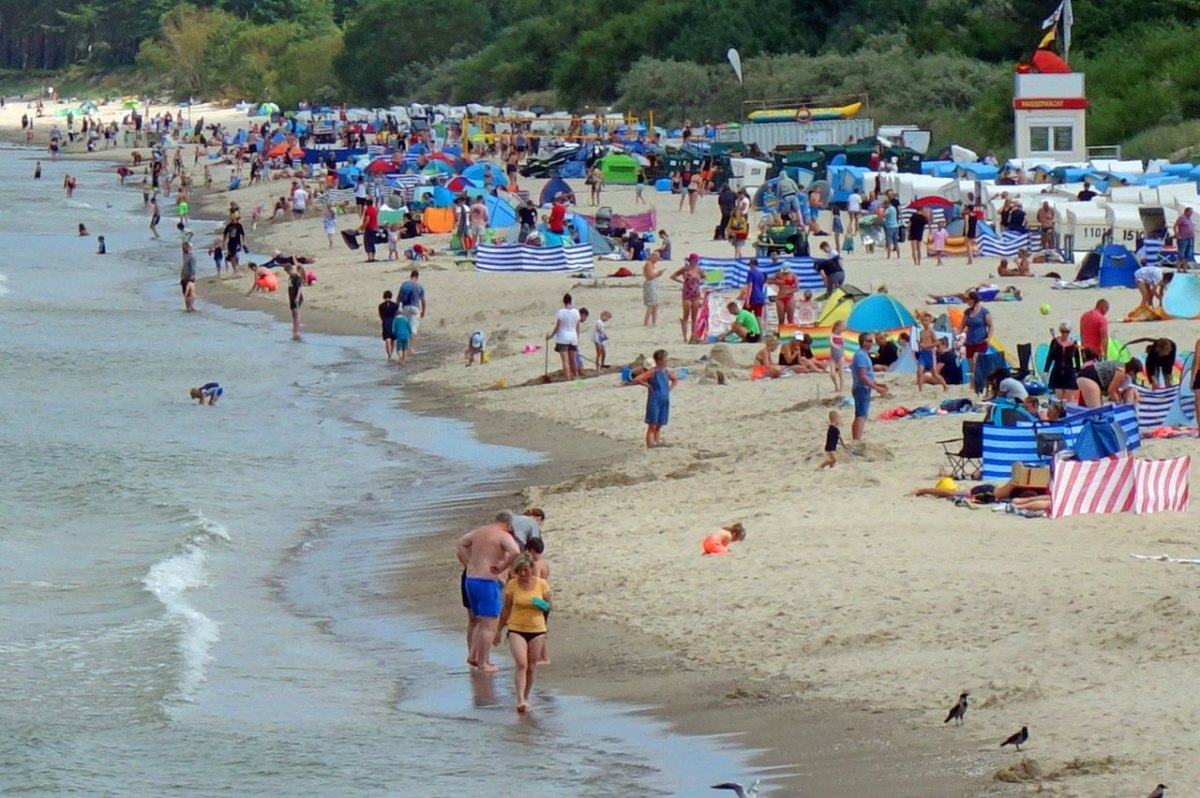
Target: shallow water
(193,598)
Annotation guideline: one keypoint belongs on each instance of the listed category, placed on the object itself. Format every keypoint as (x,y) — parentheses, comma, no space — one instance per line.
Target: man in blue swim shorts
(485,554)
(863,373)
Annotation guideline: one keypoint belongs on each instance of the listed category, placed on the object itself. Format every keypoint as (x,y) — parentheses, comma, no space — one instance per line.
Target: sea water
(193,600)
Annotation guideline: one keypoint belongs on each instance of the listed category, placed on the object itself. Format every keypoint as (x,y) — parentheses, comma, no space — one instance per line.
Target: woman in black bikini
(526,604)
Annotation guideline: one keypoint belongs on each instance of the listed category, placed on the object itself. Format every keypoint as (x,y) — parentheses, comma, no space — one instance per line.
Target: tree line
(946,64)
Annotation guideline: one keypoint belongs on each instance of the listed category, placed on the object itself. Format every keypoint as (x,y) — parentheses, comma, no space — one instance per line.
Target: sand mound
(872,452)
(722,356)
(1024,771)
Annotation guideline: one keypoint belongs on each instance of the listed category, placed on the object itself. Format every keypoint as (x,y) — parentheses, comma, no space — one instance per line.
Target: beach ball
(1045,309)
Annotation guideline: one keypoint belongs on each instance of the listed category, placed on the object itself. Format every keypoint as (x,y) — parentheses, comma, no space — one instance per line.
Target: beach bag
(1099,438)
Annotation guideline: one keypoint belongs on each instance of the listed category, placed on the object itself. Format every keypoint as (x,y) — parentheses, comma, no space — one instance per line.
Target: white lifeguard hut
(1050,117)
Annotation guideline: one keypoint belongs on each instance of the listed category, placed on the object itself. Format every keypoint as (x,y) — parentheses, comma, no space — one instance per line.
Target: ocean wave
(169,581)
(3,287)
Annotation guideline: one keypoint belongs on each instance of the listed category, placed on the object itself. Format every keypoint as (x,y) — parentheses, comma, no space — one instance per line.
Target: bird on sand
(738,789)
(1158,792)
(1017,739)
(959,710)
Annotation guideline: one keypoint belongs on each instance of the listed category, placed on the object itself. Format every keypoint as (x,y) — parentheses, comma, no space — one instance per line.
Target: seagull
(1018,738)
(1158,792)
(959,710)
(738,789)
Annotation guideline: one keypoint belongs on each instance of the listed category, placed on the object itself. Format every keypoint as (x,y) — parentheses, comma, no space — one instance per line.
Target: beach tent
(619,169)
(1117,265)
(839,304)
(879,313)
(1182,297)
(500,213)
(442,198)
(554,186)
(907,364)
(438,220)
(586,228)
(476,173)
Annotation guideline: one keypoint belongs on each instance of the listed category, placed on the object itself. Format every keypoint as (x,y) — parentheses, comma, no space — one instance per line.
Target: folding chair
(966,453)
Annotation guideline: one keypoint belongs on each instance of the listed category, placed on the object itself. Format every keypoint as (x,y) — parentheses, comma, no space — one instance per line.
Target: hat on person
(785,268)
(693,258)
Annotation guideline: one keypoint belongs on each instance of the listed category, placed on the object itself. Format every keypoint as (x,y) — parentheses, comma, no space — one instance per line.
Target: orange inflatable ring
(803,115)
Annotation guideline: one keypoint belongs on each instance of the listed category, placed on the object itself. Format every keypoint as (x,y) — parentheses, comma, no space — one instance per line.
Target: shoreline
(610,661)
(849,594)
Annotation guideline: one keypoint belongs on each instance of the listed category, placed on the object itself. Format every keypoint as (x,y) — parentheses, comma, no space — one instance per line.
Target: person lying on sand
(719,541)
(987,292)
(1020,497)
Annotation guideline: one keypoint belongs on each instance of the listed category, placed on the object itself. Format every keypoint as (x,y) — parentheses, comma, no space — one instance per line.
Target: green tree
(386,38)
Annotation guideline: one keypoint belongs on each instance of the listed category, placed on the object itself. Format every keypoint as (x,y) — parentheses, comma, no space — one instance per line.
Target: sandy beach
(849,597)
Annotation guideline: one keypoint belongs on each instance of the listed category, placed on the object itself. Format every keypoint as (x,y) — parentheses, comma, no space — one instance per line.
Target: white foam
(3,287)
(169,581)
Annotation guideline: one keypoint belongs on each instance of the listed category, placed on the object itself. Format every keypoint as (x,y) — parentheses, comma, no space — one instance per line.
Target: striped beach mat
(522,258)
(733,272)
(1003,446)
(1083,487)
(1161,486)
(1007,245)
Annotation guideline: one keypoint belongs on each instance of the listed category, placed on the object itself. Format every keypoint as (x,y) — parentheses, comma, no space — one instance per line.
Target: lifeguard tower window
(1051,138)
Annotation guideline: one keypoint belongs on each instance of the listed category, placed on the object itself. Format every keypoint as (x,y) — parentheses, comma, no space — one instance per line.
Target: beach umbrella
(380,167)
(266,109)
(461,164)
(879,313)
(460,184)
(131,104)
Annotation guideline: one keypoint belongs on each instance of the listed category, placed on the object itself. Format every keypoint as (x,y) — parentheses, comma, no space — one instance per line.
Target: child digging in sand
(659,382)
(719,541)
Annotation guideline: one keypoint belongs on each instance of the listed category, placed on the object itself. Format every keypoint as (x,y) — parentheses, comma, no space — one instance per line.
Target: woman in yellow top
(526,603)
(737,231)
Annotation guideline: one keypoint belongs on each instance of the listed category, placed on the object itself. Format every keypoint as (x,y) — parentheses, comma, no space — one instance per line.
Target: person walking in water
(187,278)
(485,554)
(526,602)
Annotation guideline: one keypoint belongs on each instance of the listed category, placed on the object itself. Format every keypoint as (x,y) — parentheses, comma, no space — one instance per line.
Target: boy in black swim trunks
(833,439)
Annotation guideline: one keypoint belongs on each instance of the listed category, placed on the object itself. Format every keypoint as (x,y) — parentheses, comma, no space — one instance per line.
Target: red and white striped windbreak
(1161,485)
(1119,485)
(1092,486)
